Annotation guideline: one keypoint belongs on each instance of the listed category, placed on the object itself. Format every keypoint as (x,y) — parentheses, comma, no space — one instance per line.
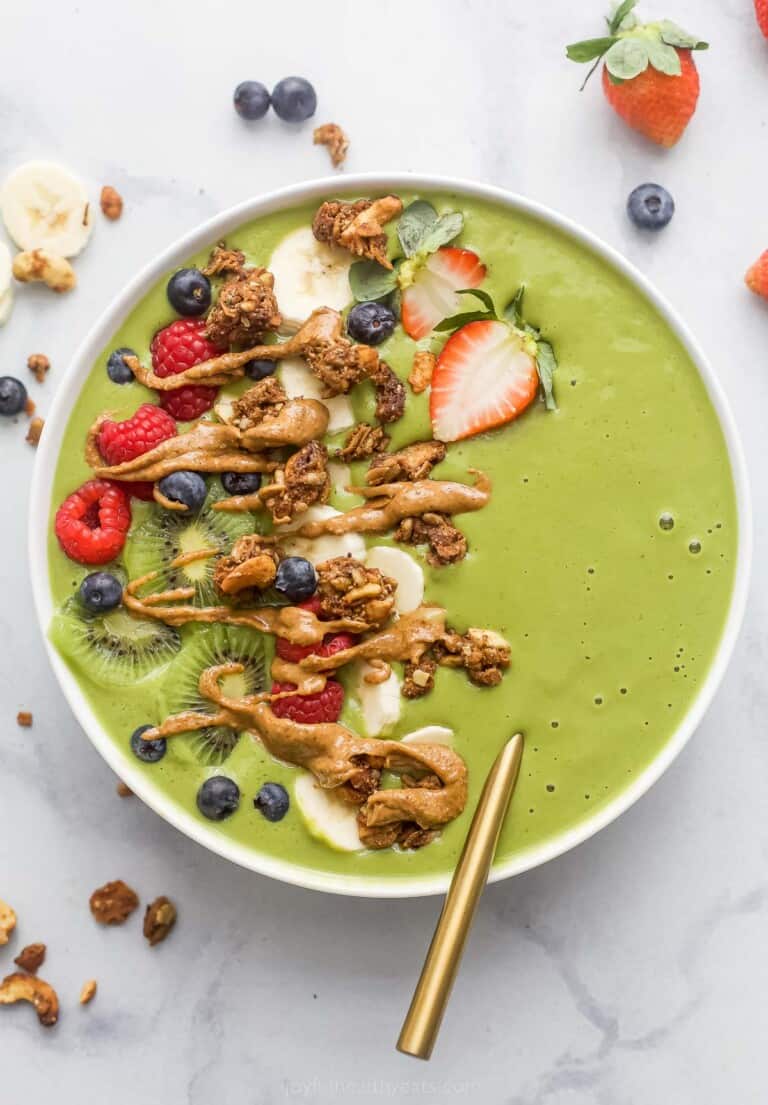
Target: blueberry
(273,801)
(296,578)
(241,483)
(189,292)
(218,797)
(251,100)
(371,323)
(148,751)
(650,206)
(258,369)
(100,592)
(188,488)
(294,99)
(13,396)
(117,370)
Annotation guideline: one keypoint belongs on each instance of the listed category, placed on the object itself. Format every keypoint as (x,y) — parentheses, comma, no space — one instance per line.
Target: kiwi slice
(205,647)
(166,534)
(114,649)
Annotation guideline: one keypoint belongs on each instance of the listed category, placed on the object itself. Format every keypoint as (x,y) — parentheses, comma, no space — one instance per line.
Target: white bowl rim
(47,456)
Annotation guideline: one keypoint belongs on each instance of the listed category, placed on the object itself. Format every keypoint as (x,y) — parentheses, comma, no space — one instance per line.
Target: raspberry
(309,709)
(92,522)
(174,349)
(121,441)
(312,604)
(331,644)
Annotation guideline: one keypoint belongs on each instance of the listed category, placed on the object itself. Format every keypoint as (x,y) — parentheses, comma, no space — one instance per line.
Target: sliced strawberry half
(432,295)
(485,376)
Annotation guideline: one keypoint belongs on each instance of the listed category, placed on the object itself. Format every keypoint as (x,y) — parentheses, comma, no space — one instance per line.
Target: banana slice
(309,274)
(380,703)
(328,817)
(430,734)
(404,570)
(45,207)
(6,284)
(318,549)
(298,381)
(339,474)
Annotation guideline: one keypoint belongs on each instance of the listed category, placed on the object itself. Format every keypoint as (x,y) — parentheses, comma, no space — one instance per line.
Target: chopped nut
(159,919)
(123,790)
(113,903)
(30,958)
(245,309)
(38,364)
(303,481)
(358,226)
(414,462)
(38,265)
(224,260)
(420,376)
(30,406)
(24,719)
(20,987)
(7,921)
(362,442)
(88,991)
(35,430)
(332,136)
(390,393)
(111,202)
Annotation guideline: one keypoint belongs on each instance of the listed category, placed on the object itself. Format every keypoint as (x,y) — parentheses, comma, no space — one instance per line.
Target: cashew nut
(49,268)
(19,987)
(7,922)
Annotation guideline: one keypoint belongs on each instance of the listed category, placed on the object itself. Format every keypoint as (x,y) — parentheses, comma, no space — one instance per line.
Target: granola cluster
(264,400)
(414,462)
(446,543)
(348,589)
(358,227)
(245,309)
(484,655)
(299,484)
(362,442)
(249,568)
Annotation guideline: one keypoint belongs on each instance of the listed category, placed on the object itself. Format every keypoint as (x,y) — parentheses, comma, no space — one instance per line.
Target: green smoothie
(606,556)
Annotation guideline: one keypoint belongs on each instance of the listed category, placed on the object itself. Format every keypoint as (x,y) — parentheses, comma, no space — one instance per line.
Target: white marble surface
(631,972)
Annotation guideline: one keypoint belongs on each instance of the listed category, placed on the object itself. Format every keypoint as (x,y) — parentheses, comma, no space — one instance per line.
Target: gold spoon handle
(422,1022)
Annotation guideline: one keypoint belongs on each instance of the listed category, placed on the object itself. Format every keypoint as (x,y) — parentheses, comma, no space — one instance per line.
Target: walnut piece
(245,309)
(38,364)
(390,393)
(35,431)
(40,266)
(414,462)
(348,589)
(31,958)
(24,719)
(224,260)
(21,987)
(113,903)
(332,136)
(303,480)
(447,544)
(483,653)
(250,567)
(265,399)
(111,202)
(420,376)
(88,991)
(362,442)
(7,922)
(357,227)
(159,919)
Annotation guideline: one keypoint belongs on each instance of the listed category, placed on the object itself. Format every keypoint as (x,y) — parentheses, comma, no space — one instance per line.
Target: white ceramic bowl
(48,452)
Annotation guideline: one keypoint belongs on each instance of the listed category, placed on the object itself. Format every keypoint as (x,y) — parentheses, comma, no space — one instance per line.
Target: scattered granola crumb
(333,137)
(35,430)
(38,265)
(20,987)
(420,376)
(88,991)
(111,202)
(24,719)
(31,958)
(113,903)
(123,790)
(30,406)
(38,364)
(159,919)
(7,921)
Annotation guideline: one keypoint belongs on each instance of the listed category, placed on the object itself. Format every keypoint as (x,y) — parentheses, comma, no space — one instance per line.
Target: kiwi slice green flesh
(114,649)
(166,534)
(205,647)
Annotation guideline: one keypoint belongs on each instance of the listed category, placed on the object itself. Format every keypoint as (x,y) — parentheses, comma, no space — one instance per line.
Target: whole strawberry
(174,349)
(761,10)
(757,276)
(649,75)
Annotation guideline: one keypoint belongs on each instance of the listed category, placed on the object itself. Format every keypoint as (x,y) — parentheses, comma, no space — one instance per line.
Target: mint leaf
(368,280)
(676,36)
(620,14)
(484,298)
(442,232)
(455,322)
(664,58)
(590,49)
(546,364)
(415,223)
(627,58)
(513,312)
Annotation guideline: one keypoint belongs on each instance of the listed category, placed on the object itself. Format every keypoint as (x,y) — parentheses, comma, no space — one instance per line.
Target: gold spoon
(422,1022)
